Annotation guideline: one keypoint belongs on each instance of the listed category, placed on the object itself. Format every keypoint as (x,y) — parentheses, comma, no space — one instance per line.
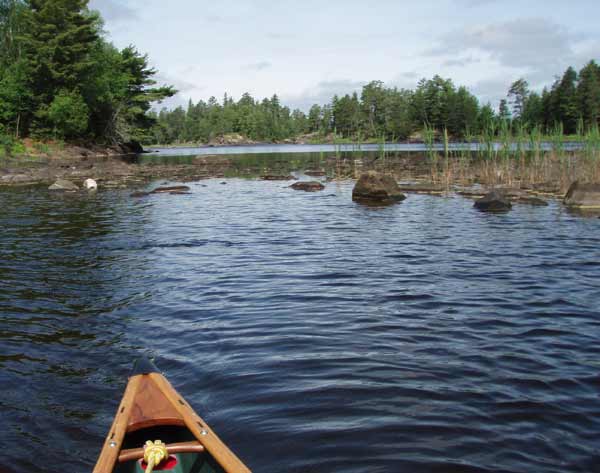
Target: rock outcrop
(374,187)
(583,196)
(495,201)
(308,186)
(63,185)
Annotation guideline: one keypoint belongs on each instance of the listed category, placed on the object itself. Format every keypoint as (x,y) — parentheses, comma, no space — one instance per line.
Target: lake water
(331,148)
(312,333)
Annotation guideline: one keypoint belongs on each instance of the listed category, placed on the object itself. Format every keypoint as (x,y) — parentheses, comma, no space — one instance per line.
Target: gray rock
(63,185)
(532,201)
(308,186)
(374,187)
(495,201)
(586,196)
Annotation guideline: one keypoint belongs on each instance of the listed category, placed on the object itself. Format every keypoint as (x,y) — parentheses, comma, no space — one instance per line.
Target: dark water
(313,334)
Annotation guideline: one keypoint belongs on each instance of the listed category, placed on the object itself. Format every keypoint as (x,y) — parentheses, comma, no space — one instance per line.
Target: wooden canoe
(151,409)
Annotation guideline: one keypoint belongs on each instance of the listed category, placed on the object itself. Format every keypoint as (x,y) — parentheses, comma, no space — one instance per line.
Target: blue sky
(306,51)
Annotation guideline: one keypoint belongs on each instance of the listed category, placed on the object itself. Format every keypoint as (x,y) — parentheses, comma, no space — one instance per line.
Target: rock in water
(308,186)
(63,185)
(585,196)
(169,190)
(90,184)
(494,201)
(374,187)
(532,201)
(277,177)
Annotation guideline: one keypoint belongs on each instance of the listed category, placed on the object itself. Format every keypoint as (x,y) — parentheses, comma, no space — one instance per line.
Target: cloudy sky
(308,50)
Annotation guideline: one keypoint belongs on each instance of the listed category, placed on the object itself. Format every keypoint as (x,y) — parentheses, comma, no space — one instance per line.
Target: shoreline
(112,168)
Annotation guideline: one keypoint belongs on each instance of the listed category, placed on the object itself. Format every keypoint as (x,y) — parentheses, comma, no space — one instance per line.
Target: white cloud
(322,93)
(258,66)
(113,11)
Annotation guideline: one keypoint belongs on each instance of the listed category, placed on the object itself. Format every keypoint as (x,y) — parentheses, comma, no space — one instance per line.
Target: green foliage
(59,77)
(6,142)
(68,113)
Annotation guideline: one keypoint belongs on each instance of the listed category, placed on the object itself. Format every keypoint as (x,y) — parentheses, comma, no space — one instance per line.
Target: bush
(6,142)
(69,114)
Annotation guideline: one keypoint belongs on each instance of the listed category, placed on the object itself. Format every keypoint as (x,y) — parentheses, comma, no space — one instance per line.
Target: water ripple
(420,337)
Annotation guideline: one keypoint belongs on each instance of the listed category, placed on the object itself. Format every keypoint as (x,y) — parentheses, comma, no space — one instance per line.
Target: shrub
(69,114)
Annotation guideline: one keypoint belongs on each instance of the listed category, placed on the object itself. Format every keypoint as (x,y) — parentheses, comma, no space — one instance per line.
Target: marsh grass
(502,154)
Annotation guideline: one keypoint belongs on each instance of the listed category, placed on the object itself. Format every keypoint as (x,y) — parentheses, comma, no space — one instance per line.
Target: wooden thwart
(173,448)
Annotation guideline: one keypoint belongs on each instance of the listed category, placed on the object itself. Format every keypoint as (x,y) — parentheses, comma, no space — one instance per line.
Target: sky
(305,51)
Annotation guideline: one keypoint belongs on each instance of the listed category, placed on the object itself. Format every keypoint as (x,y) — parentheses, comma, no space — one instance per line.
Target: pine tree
(503,111)
(588,93)
(565,101)
(59,40)
(517,96)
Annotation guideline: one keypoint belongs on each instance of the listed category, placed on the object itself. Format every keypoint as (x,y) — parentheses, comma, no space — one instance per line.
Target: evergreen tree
(588,93)
(503,111)
(486,118)
(565,101)
(517,96)
(532,113)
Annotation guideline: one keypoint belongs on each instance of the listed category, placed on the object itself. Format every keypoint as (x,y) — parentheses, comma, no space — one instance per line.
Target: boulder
(495,201)
(63,185)
(308,186)
(586,196)
(378,188)
(90,184)
(132,147)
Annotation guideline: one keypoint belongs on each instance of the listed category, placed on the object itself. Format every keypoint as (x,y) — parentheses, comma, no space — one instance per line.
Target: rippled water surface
(312,333)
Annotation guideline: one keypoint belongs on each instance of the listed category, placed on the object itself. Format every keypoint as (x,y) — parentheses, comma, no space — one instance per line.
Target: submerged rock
(423,188)
(373,187)
(308,186)
(63,185)
(169,190)
(90,184)
(585,196)
(495,201)
(532,201)
(277,177)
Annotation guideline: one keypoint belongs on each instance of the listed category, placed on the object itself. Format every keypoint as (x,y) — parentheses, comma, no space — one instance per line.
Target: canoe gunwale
(151,401)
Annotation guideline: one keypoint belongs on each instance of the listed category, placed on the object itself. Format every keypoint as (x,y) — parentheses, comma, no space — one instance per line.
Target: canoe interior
(186,462)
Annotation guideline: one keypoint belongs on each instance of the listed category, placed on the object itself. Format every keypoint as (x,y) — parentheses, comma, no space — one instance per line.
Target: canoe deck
(152,409)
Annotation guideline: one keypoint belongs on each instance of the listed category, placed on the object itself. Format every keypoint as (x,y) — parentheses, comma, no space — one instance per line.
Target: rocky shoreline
(108,167)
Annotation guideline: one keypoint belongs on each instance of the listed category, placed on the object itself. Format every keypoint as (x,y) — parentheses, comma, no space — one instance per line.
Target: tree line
(60,78)
(389,113)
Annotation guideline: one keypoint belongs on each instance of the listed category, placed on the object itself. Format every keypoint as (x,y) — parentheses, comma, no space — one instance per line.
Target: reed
(429,140)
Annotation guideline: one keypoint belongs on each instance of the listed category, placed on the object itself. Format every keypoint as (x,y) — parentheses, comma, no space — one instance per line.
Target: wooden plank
(151,408)
(219,451)
(112,446)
